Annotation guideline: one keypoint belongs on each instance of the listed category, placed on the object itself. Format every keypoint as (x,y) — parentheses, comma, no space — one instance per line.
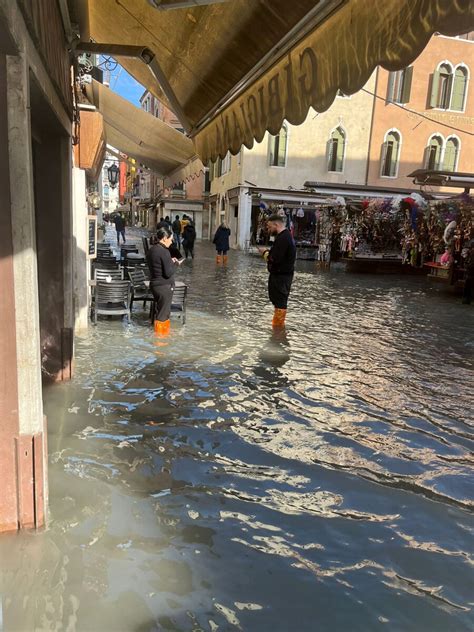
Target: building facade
(424,114)
(369,142)
(329,147)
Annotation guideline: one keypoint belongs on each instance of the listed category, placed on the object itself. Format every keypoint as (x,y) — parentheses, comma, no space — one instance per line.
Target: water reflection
(236,478)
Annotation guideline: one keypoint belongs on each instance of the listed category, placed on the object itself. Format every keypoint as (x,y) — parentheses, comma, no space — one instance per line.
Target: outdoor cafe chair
(140,291)
(103,274)
(112,299)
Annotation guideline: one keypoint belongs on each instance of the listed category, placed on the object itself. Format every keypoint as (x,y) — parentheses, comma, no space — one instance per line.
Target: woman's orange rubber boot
(225,259)
(218,259)
(162,328)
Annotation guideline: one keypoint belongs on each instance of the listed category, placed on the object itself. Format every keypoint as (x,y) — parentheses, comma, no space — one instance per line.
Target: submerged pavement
(230,478)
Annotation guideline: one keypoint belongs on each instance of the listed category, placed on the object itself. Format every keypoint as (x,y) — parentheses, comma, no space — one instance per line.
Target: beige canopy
(241,67)
(139,134)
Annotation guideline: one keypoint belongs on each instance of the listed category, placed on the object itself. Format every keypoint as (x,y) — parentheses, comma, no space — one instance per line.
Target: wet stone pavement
(233,479)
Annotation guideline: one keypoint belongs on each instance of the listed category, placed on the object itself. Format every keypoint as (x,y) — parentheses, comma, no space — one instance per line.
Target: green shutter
(329,149)
(340,154)
(211,170)
(435,80)
(450,155)
(459,89)
(383,159)
(390,86)
(406,88)
(271,150)
(283,139)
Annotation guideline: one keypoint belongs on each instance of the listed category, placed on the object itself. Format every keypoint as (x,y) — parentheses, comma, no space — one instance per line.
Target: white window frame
(397,131)
(344,131)
(270,139)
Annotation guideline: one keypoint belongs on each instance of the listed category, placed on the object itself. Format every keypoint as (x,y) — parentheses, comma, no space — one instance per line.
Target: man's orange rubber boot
(218,259)
(279,317)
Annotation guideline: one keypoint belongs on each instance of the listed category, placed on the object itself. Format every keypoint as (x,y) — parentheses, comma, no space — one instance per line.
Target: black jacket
(189,235)
(221,239)
(119,223)
(161,266)
(282,257)
(177,227)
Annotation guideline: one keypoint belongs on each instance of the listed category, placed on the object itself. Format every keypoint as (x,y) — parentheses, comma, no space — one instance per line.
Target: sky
(126,86)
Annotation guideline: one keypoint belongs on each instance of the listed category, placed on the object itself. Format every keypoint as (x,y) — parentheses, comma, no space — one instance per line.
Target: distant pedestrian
(189,237)
(221,241)
(119,222)
(168,222)
(177,228)
(162,224)
(281,265)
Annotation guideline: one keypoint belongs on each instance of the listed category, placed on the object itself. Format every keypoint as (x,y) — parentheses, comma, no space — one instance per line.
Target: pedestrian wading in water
(221,241)
(162,270)
(189,237)
(281,266)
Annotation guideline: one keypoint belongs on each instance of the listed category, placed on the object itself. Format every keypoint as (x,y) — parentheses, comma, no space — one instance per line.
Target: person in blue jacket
(221,241)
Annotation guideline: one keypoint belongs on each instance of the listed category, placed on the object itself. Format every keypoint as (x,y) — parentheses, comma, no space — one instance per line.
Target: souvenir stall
(435,237)
(312,226)
(370,238)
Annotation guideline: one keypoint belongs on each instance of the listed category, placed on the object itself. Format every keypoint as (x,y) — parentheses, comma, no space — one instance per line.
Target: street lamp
(113,174)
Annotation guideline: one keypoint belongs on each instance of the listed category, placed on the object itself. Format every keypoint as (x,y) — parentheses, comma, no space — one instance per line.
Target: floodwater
(231,479)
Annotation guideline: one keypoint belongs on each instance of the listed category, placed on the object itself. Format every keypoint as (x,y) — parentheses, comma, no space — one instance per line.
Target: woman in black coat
(162,269)
(221,241)
(189,237)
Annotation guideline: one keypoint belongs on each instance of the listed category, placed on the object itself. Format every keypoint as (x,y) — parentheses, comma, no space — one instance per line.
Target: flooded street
(234,479)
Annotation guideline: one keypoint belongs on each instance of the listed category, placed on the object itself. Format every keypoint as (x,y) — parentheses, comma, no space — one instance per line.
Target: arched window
(458,98)
(391,154)
(451,154)
(277,148)
(336,150)
(434,153)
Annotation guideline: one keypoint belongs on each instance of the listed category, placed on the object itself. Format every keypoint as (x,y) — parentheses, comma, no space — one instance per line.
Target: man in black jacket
(281,265)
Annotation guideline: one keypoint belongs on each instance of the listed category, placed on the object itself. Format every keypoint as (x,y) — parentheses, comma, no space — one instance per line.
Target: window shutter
(459,89)
(394,158)
(211,171)
(450,155)
(340,155)
(271,150)
(282,145)
(329,153)
(426,158)
(390,86)
(435,79)
(383,166)
(406,88)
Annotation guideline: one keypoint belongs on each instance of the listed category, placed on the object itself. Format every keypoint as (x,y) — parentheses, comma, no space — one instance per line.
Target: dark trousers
(279,286)
(222,252)
(177,240)
(188,249)
(163,295)
(121,232)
